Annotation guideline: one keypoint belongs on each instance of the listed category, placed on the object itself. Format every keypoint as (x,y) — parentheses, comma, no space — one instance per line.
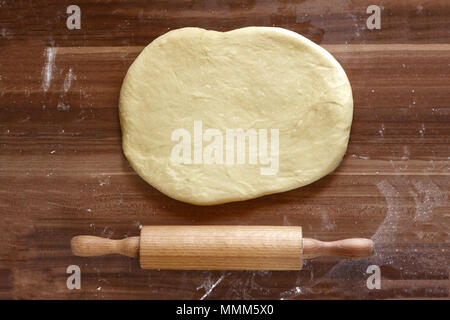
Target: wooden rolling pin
(221,247)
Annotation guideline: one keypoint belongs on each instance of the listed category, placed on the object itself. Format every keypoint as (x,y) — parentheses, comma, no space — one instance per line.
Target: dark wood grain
(62,171)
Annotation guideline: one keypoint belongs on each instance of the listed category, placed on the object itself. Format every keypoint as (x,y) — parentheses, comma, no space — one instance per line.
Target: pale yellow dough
(255,77)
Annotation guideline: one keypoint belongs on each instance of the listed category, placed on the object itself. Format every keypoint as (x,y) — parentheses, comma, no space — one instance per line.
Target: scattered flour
(68,80)
(49,67)
(209,286)
(62,107)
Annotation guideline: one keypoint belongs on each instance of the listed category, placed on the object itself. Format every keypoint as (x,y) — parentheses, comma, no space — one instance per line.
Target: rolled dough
(190,87)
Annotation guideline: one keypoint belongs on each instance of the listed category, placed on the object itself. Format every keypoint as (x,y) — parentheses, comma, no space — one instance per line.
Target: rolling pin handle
(347,248)
(89,246)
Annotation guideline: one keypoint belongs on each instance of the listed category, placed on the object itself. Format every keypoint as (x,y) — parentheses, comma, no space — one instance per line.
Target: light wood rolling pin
(221,247)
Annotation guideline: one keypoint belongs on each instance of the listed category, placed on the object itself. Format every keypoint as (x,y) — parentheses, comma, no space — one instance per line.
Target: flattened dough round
(249,78)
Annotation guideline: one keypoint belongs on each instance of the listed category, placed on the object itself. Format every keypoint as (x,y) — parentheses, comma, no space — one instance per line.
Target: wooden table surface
(63,173)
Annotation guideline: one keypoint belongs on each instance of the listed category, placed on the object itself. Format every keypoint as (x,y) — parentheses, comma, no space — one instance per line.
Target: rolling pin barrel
(221,247)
